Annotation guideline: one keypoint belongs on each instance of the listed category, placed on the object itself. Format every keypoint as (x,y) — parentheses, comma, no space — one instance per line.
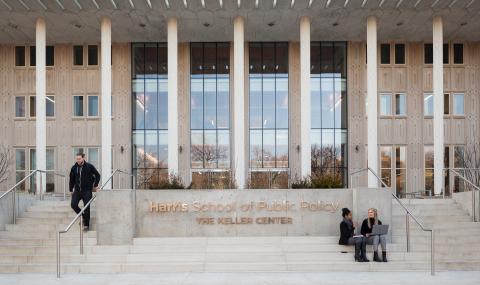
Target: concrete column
(438,147)
(106,68)
(305,148)
(372,149)
(40,86)
(239,142)
(172,30)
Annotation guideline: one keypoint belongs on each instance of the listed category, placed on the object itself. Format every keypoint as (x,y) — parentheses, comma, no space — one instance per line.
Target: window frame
(404,54)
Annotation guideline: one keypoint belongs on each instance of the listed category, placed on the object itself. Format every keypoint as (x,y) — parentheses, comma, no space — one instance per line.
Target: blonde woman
(375,240)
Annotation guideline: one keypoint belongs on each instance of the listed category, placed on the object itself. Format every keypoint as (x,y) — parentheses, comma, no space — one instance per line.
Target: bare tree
(5,160)
(469,159)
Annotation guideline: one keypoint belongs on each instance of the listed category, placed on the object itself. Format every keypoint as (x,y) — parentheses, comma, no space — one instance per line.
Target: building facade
(247,94)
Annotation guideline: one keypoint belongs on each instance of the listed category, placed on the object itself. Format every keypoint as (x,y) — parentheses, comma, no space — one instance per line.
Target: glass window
(150,117)
(50,56)
(428,53)
(209,105)
(33,57)
(92,55)
(269,103)
(400,170)
(385,54)
(428,104)
(458,104)
(78,55)
(446,104)
(445,54)
(19,56)
(385,104)
(458,53)
(50,106)
(386,165)
(20,167)
(20,106)
(401,104)
(78,106)
(328,111)
(93,106)
(399,53)
(93,156)
(33,106)
(428,152)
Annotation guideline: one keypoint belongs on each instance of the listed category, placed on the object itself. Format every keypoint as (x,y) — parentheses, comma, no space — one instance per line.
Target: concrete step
(438,201)
(430,212)
(43,228)
(66,240)
(434,219)
(44,235)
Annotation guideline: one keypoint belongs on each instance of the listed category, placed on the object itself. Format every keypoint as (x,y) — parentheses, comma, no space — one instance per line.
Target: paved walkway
(391,278)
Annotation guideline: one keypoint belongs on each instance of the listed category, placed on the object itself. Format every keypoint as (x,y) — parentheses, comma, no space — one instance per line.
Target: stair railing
(79,216)
(38,190)
(474,189)
(408,215)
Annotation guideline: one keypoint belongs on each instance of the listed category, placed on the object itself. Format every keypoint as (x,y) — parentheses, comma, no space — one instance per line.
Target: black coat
(84,177)
(365,229)
(346,232)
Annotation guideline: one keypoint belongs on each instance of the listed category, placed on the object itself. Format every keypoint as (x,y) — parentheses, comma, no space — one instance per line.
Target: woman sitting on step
(374,240)
(347,236)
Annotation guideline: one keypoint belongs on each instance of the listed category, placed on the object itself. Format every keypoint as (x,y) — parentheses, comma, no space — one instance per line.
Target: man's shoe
(86,228)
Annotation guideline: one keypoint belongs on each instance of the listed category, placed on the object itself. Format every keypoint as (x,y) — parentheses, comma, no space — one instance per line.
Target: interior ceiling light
(271,24)
(131,4)
(346,3)
(364,3)
(416,3)
(310,3)
(96,4)
(452,3)
(24,5)
(167,4)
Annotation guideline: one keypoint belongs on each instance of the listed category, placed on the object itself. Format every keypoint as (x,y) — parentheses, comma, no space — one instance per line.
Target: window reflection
(150,118)
(268,101)
(210,106)
(328,90)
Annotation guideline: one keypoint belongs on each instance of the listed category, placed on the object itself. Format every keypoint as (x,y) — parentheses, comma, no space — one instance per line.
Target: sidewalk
(391,278)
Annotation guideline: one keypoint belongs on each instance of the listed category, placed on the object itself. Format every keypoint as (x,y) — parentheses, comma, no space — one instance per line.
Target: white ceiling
(339,20)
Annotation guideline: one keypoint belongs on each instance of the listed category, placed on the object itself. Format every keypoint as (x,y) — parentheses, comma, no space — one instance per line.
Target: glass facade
(268,105)
(150,113)
(329,110)
(210,105)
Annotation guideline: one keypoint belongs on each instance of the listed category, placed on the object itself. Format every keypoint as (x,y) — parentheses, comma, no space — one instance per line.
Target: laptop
(379,230)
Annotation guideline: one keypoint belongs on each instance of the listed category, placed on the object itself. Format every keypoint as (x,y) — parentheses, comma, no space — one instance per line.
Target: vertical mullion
(334,111)
(203,105)
(216,105)
(275,102)
(262,129)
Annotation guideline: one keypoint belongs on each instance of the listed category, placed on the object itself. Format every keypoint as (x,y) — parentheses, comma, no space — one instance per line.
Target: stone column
(40,86)
(239,142)
(372,149)
(106,69)
(305,148)
(172,31)
(438,147)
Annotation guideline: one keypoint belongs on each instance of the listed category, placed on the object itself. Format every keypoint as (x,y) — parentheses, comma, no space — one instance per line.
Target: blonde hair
(375,217)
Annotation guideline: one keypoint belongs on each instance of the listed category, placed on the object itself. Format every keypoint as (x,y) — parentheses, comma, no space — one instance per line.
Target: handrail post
(432,250)
(473,206)
(81,234)
(407,228)
(64,188)
(14,212)
(58,254)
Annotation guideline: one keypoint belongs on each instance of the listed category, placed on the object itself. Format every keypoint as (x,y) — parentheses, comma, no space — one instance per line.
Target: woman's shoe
(384,256)
(376,258)
(365,259)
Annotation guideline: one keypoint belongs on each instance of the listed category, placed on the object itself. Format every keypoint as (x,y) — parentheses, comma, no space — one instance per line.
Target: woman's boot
(364,253)
(376,257)
(384,256)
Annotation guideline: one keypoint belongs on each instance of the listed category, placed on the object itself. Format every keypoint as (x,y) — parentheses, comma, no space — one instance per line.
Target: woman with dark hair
(374,240)
(347,236)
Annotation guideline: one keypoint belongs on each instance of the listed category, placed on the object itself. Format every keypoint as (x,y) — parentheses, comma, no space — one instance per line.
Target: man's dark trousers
(85,196)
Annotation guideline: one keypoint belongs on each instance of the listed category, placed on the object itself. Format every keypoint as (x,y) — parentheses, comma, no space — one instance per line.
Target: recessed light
(399,24)
(142,25)
(335,24)
(271,24)
(206,25)
(463,24)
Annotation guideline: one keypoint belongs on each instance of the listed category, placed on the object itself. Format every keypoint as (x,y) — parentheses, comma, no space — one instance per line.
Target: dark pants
(85,196)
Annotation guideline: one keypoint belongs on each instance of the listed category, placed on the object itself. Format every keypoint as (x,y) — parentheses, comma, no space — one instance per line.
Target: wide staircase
(29,246)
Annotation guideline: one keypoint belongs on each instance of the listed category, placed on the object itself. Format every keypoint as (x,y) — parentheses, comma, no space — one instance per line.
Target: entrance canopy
(78,21)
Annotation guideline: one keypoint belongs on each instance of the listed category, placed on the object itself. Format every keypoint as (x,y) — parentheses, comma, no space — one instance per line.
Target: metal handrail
(408,215)
(475,188)
(13,189)
(80,216)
